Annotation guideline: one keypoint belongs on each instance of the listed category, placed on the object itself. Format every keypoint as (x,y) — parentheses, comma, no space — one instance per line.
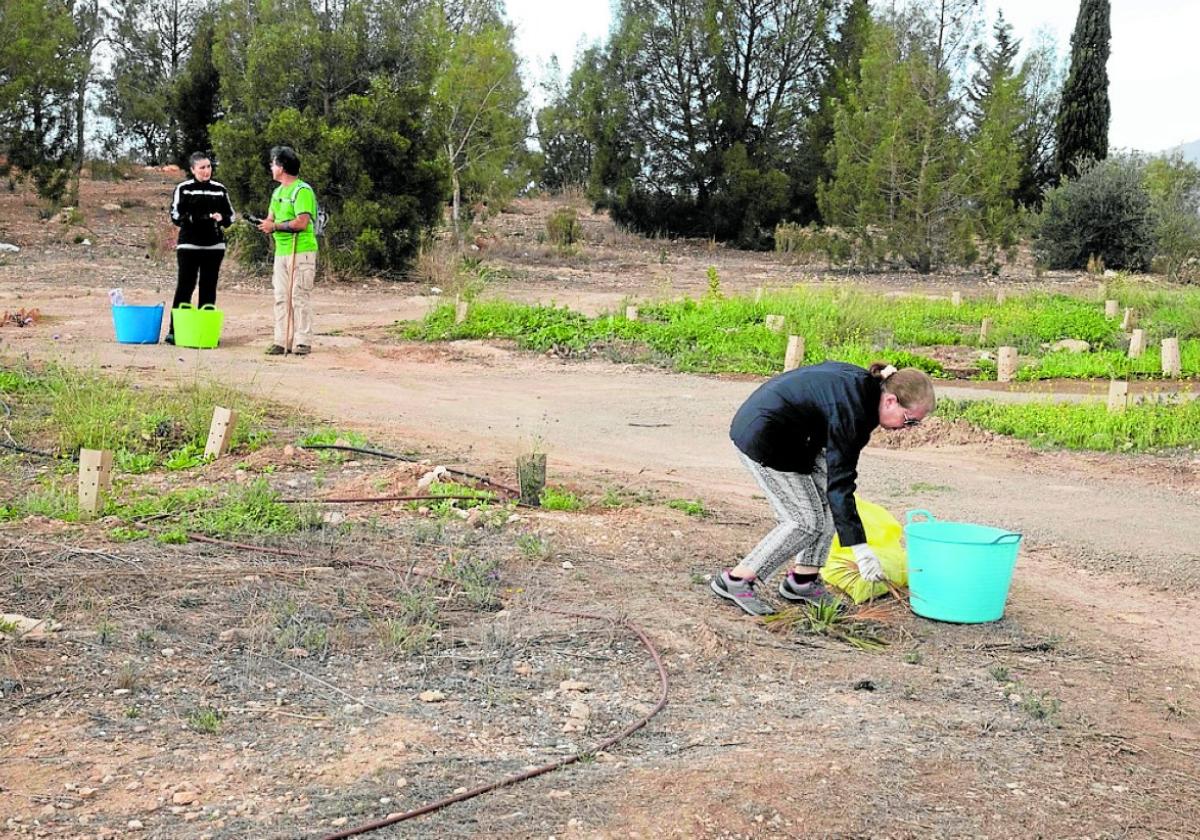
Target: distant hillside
(1191,151)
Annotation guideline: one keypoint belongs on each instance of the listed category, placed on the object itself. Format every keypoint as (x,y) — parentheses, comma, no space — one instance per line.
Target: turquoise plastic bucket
(137,324)
(958,571)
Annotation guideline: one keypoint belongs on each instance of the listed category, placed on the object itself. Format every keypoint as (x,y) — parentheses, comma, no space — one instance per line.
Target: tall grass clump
(74,409)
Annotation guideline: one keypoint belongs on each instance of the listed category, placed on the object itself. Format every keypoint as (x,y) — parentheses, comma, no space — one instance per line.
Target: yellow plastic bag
(885,535)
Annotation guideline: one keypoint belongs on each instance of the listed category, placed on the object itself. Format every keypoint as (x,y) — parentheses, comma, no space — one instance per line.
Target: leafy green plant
(414,625)
(1040,706)
(999,673)
(189,455)
(205,720)
(252,509)
(123,533)
(106,631)
(478,577)
(533,547)
(328,436)
(555,498)
(692,507)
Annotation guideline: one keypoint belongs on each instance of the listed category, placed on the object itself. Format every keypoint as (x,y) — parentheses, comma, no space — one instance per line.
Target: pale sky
(1154,67)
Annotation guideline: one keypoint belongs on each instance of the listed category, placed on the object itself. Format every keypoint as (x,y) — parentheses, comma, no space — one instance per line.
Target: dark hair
(287,158)
(912,387)
(196,158)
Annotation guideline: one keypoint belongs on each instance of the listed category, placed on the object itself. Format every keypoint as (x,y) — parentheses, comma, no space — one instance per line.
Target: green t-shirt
(288,202)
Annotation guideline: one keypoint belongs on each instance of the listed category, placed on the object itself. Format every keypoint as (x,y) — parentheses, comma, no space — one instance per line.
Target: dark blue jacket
(788,420)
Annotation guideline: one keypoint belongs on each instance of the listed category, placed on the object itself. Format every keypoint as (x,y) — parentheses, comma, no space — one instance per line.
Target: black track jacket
(192,204)
(786,422)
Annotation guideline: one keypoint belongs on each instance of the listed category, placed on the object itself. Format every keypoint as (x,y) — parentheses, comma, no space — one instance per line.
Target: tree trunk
(80,109)
(456,202)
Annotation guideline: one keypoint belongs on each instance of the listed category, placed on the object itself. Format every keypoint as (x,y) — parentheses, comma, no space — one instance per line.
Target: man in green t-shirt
(291,219)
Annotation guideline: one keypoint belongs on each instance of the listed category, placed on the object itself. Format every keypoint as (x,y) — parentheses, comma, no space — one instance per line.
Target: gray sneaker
(741,592)
(807,593)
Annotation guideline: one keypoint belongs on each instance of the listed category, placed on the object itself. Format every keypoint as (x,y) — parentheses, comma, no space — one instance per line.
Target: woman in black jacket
(201,209)
(800,435)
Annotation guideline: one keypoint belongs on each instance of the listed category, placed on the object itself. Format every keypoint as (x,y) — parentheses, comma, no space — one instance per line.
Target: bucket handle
(185,306)
(208,307)
(1007,539)
(913,514)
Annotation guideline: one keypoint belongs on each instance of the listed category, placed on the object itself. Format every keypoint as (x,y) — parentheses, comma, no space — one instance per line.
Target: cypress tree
(1084,110)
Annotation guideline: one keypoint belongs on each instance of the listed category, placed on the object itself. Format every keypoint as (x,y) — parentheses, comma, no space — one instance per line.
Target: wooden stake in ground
(1118,395)
(1127,320)
(1171,363)
(1006,364)
(795,353)
(956,298)
(985,328)
(775,323)
(1001,297)
(460,311)
(220,432)
(95,479)
(631,313)
(758,294)
(531,477)
(1137,344)
(1110,309)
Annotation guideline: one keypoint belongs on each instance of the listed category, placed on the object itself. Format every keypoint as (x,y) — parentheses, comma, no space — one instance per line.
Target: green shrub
(562,228)
(1174,187)
(1103,213)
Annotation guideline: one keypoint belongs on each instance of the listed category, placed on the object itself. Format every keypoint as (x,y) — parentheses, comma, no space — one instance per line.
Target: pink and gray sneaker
(741,592)
(807,593)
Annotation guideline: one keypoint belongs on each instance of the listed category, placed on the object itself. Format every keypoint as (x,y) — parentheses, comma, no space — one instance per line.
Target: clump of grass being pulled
(1145,427)
(831,620)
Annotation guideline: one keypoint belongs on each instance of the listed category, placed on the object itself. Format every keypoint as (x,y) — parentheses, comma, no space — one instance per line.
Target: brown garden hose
(439,804)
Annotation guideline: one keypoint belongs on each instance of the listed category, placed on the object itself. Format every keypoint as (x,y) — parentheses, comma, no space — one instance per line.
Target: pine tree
(1084,111)
(196,99)
(994,64)
(845,56)
(900,183)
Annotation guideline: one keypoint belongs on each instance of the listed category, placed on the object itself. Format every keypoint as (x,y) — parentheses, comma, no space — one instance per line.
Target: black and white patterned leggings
(805,530)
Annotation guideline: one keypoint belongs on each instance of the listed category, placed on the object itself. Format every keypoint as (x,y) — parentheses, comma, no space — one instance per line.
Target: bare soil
(1074,716)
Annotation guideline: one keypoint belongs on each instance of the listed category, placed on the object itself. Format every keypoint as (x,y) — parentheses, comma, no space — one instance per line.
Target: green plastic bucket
(958,571)
(197,327)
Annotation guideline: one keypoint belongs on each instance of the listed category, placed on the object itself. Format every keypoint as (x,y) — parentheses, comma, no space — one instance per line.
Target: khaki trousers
(306,272)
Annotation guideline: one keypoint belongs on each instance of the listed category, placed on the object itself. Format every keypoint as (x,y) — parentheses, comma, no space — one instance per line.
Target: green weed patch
(67,410)
(254,509)
(1146,427)
(728,335)
(555,498)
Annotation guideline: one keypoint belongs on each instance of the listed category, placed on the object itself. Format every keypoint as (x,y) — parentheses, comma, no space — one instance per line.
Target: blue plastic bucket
(958,571)
(137,324)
